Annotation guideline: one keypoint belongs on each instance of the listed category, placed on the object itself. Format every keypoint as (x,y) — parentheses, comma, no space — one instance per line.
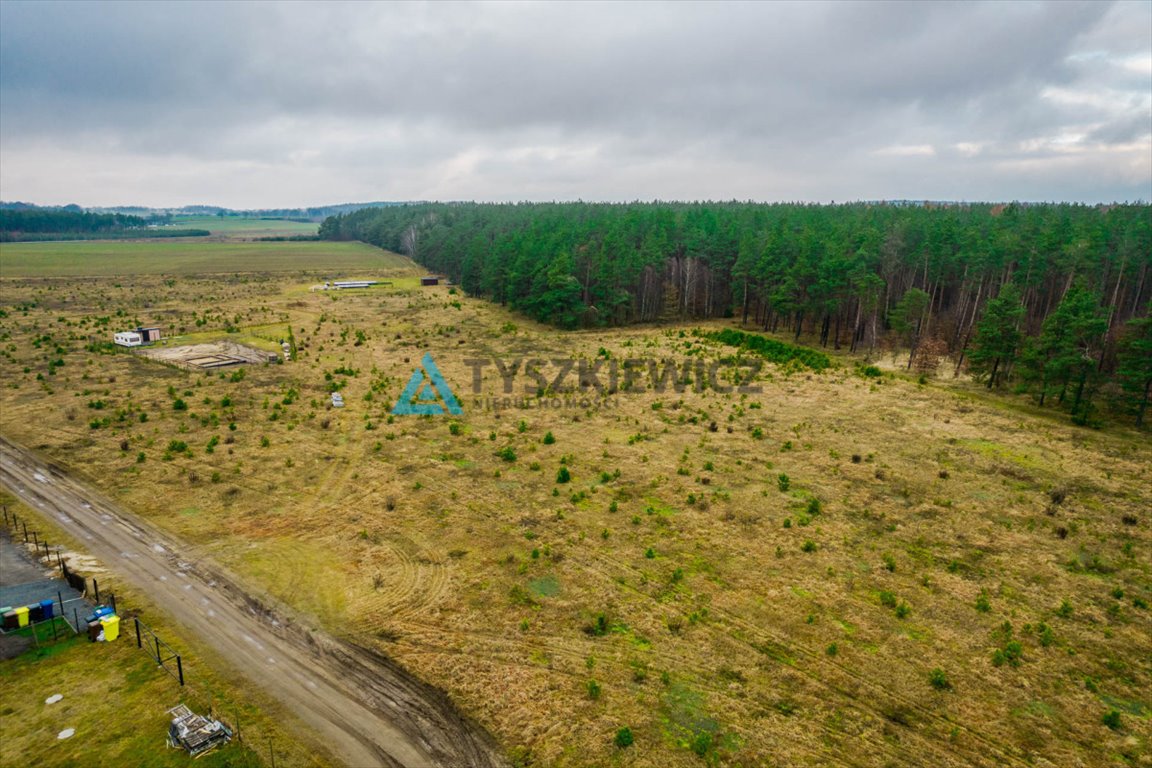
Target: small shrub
(814,506)
(939,680)
(983,604)
(563,476)
(549,438)
(624,737)
(832,650)
(1111,719)
(507,453)
(890,563)
(650,553)
(598,627)
(594,690)
(783,482)
(902,610)
(1065,609)
(1010,654)
(887,599)
(809,546)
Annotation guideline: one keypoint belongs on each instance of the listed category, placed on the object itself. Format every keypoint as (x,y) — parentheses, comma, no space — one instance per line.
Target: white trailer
(128,339)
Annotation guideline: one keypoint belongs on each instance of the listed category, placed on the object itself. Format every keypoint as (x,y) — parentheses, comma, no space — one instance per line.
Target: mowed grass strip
(114,699)
(110,259)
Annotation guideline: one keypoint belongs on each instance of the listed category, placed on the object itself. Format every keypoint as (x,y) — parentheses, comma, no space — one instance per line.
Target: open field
(838,570)
(242,228)
(94,258)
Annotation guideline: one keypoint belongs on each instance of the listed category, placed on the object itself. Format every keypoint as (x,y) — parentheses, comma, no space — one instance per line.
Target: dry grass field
(838,570)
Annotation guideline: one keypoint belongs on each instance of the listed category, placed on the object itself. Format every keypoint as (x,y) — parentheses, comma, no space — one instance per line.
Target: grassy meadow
(241,227)
(843,569)
(108,258)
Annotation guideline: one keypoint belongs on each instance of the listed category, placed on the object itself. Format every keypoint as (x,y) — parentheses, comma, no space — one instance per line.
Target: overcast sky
(264,105)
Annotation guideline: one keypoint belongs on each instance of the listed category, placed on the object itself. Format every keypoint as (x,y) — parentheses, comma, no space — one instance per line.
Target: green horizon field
(104,258)
(240,226)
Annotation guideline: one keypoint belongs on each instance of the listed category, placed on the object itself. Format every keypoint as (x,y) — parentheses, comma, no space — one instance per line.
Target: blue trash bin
(100,612)
(49,608)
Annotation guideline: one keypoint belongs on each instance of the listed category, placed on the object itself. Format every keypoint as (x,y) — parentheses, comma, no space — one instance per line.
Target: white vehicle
(128,339)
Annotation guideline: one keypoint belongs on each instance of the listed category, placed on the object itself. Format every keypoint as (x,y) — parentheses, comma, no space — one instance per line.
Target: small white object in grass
(53,698)
(66,733)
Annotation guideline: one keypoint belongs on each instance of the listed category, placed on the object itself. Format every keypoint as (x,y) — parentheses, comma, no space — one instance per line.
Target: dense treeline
(48,220)
(1043,296)
(59,224)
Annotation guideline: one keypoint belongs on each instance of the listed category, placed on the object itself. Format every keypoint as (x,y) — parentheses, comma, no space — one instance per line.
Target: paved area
(16,564)
(24,581)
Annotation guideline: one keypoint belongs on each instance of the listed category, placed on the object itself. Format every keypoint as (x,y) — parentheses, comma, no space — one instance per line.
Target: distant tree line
(1052,298)
(61,224)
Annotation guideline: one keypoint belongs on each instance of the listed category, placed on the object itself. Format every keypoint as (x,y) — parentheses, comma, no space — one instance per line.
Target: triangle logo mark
(427,393)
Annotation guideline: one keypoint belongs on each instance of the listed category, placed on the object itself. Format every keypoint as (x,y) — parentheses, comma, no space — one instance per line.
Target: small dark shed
(430,280)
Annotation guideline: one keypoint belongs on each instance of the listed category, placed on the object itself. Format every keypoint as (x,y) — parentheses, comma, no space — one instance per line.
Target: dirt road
(370,711)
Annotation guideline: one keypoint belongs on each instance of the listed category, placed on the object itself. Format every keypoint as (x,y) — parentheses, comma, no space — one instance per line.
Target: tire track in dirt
(363,705)
(410,584)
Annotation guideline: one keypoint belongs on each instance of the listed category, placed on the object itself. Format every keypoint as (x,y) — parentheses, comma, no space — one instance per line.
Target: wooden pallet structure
(195,733)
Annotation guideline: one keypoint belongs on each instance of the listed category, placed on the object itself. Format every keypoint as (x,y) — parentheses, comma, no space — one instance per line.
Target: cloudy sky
(265,105)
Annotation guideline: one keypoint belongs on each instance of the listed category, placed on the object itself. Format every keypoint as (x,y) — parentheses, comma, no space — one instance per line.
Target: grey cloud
(768,100)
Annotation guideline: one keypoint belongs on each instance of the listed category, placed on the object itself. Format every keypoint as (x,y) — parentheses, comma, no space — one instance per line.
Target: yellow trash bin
(21,616)
(111,624)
